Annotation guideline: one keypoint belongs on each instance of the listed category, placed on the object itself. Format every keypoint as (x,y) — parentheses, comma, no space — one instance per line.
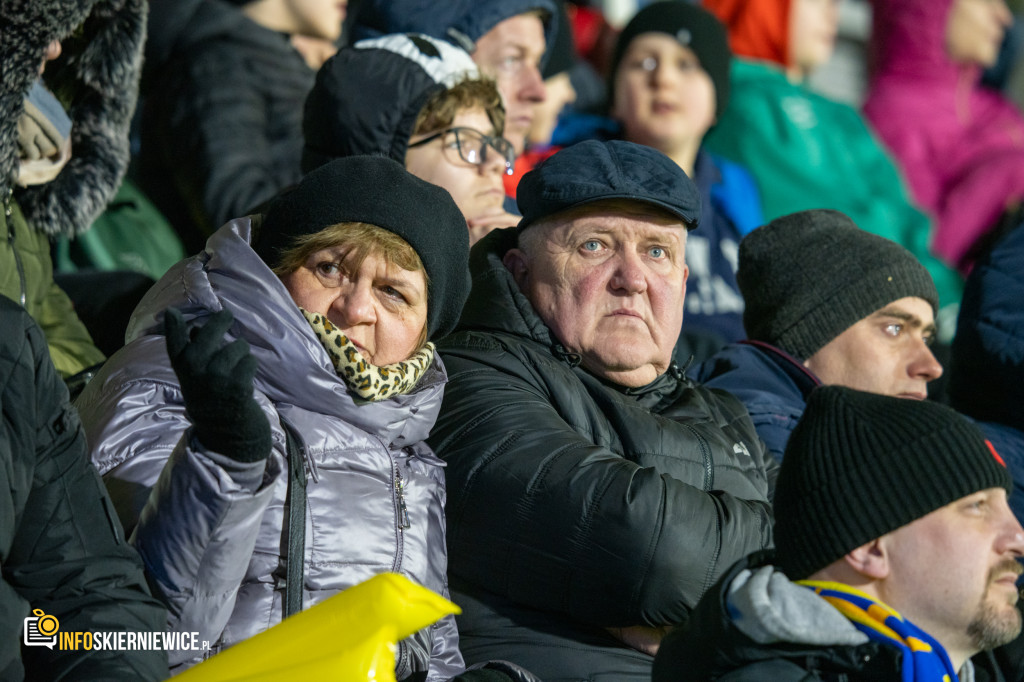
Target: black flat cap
(597,171)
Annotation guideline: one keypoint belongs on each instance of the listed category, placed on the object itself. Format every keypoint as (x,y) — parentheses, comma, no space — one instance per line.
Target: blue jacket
(987,369)
(461,22)
(1009,443)
(772,385)
(730,208)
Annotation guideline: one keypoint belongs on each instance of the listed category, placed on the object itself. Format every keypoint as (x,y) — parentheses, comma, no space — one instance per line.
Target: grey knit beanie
(860,465)
(807,277)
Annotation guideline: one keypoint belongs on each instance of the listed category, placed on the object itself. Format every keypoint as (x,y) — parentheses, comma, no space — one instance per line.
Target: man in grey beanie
(826,303)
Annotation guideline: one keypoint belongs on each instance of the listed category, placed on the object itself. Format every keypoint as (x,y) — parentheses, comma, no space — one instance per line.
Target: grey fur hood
(96,77)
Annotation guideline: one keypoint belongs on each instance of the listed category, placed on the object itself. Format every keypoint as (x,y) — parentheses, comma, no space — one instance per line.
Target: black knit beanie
(860,465)
(694,27)
(807,277)
(379,191)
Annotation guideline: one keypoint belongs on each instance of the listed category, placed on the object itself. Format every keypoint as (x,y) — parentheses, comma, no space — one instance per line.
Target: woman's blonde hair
(472,93)
(358,240)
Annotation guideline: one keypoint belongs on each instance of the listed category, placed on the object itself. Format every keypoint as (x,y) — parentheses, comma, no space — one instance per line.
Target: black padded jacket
(574,504)
(222,118)
(62,550)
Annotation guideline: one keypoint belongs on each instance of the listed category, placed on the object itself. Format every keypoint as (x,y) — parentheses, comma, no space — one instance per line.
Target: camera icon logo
(41,629)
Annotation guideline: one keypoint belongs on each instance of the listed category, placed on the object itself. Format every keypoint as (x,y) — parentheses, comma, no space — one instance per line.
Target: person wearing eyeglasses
(421,102)
(507,39)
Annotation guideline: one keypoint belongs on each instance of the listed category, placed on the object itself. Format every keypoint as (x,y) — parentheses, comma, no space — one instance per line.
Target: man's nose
(923,364)
(629,275)
(531,84)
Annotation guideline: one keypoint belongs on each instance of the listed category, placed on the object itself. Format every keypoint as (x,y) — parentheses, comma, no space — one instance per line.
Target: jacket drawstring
(8,212)
(563,353)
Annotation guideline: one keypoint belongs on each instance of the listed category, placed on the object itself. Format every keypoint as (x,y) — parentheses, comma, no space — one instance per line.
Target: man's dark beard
(990,627)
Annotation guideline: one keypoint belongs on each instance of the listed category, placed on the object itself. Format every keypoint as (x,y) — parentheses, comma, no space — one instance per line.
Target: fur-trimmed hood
(96,77)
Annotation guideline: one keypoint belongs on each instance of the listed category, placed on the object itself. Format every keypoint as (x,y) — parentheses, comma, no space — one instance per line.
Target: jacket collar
(294,368)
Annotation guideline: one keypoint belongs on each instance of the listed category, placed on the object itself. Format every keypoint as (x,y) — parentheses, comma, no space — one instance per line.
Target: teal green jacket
(807,151)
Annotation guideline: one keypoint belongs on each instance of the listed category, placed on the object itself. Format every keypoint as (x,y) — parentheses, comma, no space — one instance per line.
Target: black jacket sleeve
(539,513)
(62,551)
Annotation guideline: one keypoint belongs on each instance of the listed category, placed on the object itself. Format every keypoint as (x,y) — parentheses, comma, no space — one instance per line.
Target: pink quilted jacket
(960,145)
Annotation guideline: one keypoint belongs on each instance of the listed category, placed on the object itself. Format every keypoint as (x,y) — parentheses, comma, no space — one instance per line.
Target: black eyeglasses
(472,146)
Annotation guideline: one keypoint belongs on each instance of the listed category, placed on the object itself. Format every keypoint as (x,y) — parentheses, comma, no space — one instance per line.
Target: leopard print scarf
(369,382)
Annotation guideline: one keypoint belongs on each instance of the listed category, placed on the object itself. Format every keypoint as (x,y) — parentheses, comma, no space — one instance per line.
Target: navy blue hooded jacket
(770,383)
(987,368)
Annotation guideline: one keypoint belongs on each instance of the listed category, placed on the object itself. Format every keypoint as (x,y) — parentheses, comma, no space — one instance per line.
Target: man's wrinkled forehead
(638,210)
(617,217)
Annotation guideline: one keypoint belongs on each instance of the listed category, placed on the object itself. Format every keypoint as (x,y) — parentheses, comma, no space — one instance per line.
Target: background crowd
(531,301)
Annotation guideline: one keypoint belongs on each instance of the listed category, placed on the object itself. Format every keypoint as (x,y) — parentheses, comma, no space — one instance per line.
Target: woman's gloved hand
(216,381)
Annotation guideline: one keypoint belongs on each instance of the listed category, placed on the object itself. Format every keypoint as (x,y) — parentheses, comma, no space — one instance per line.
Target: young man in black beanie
(826,303)
(891,516)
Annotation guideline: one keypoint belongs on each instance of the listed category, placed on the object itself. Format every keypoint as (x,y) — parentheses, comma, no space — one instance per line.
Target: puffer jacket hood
(394,75)
(758,29)
(987,371)
(495,302)
(229,274)
(908,39)
(460,22)
(96,77)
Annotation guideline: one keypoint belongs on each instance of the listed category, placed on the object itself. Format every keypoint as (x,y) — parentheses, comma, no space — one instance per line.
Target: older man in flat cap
(594,492)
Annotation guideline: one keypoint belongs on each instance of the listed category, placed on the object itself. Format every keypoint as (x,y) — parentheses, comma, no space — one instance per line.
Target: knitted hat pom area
(809,276)
(860,465)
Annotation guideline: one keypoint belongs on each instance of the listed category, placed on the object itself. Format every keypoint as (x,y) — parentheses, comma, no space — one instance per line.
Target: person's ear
(516,262)
(870,560)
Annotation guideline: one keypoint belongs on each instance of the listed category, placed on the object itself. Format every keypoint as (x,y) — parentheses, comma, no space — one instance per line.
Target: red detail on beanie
(992,449)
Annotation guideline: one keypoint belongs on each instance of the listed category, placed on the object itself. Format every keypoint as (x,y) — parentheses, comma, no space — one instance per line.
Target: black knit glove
(216,381)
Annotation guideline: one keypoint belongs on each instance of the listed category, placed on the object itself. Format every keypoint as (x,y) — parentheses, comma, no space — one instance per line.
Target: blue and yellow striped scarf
(924,659)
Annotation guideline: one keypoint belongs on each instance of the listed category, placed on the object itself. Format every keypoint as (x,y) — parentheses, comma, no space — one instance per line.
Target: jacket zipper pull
(403,510)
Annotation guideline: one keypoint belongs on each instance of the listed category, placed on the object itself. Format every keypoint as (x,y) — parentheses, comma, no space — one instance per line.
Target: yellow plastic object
(351,637)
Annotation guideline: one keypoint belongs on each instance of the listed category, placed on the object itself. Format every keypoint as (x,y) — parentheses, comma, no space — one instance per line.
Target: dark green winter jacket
(26,274)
